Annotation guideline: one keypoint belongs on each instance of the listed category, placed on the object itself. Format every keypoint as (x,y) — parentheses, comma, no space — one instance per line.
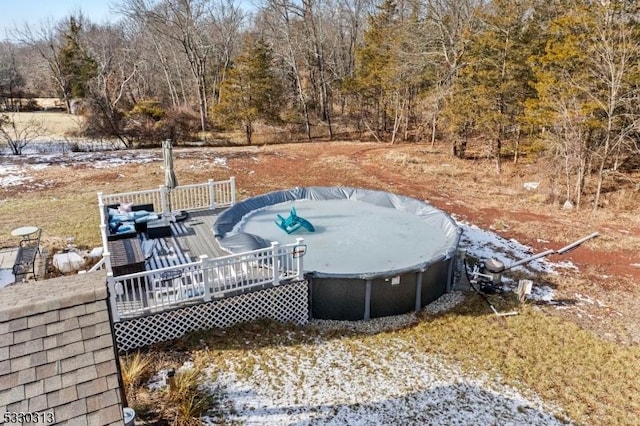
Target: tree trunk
(167,74)
(433,131)
(580,182)
(596,201)
(249,132)
(498,148)
(516,155)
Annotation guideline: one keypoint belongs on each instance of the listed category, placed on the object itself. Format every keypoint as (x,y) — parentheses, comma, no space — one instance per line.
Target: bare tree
(185,22)
(11,80)
(615,61)
(227,20)
(315,35)
(447,27)
(117,65)
(587,91)
(46,40)
(18,136)
(280,19)
(349,20)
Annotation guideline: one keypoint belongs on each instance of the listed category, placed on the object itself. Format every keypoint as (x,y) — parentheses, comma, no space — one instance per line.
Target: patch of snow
(220,162)
(17,174)
(14,180)
(158,381)
(589,300)
(483,244)
(542,293)
(11,175)
(338,382)
(188,365)
(39,166)
(107,163)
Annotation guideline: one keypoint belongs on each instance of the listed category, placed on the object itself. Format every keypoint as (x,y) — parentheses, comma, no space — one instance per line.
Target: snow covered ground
(483,244)
(360,382)
(357,381)
(18,170)
(335,383)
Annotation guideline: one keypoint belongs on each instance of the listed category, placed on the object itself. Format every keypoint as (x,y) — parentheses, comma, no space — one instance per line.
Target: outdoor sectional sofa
(124,221)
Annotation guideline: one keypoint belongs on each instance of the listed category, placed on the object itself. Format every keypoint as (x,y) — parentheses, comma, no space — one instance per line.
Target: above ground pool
(369,253)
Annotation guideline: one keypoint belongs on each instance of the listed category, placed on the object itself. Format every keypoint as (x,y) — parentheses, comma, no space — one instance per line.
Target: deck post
(275,261)
(106,255)
(205,278)
(103,235)
(103,221)
(101,207)
(212,194)
(232,184)
(299,271)
(111,288)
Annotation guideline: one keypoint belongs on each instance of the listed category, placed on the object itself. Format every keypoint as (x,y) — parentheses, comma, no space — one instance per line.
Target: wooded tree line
(513,77)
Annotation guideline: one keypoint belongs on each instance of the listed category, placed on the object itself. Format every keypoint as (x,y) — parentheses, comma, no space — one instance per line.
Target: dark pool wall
(356,299)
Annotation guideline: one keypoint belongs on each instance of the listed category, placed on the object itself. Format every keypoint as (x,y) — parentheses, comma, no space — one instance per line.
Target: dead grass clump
(183,401)
(134,369)
(190,400)
(593,380)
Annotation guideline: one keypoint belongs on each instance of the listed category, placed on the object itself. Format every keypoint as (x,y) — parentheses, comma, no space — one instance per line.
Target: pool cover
(359,233)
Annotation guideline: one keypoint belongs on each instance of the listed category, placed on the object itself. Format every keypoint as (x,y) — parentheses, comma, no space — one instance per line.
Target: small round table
(24,231)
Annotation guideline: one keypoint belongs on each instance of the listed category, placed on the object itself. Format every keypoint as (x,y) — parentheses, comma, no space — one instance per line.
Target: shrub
(148,108)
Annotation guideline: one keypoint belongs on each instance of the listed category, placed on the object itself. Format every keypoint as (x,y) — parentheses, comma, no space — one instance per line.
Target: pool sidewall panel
(338,299)
(434,282)
(388,299)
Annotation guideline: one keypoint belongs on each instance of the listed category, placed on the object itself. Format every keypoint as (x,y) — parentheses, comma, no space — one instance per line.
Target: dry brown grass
(56,125)
(134,369)
(595,381)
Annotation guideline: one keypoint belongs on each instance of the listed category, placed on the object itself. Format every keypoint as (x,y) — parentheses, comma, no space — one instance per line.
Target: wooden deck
(195,235)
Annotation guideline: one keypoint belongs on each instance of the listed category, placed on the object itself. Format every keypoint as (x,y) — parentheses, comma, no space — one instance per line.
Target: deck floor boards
(196,237)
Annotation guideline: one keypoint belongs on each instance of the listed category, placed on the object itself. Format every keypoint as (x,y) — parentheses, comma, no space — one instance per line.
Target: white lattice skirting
(284,303)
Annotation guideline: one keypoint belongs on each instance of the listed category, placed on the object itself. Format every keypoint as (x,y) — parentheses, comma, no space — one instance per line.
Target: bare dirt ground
(602,295)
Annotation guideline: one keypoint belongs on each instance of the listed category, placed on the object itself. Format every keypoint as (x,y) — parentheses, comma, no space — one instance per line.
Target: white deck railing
(209,195)
(160,290)
(212,195)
